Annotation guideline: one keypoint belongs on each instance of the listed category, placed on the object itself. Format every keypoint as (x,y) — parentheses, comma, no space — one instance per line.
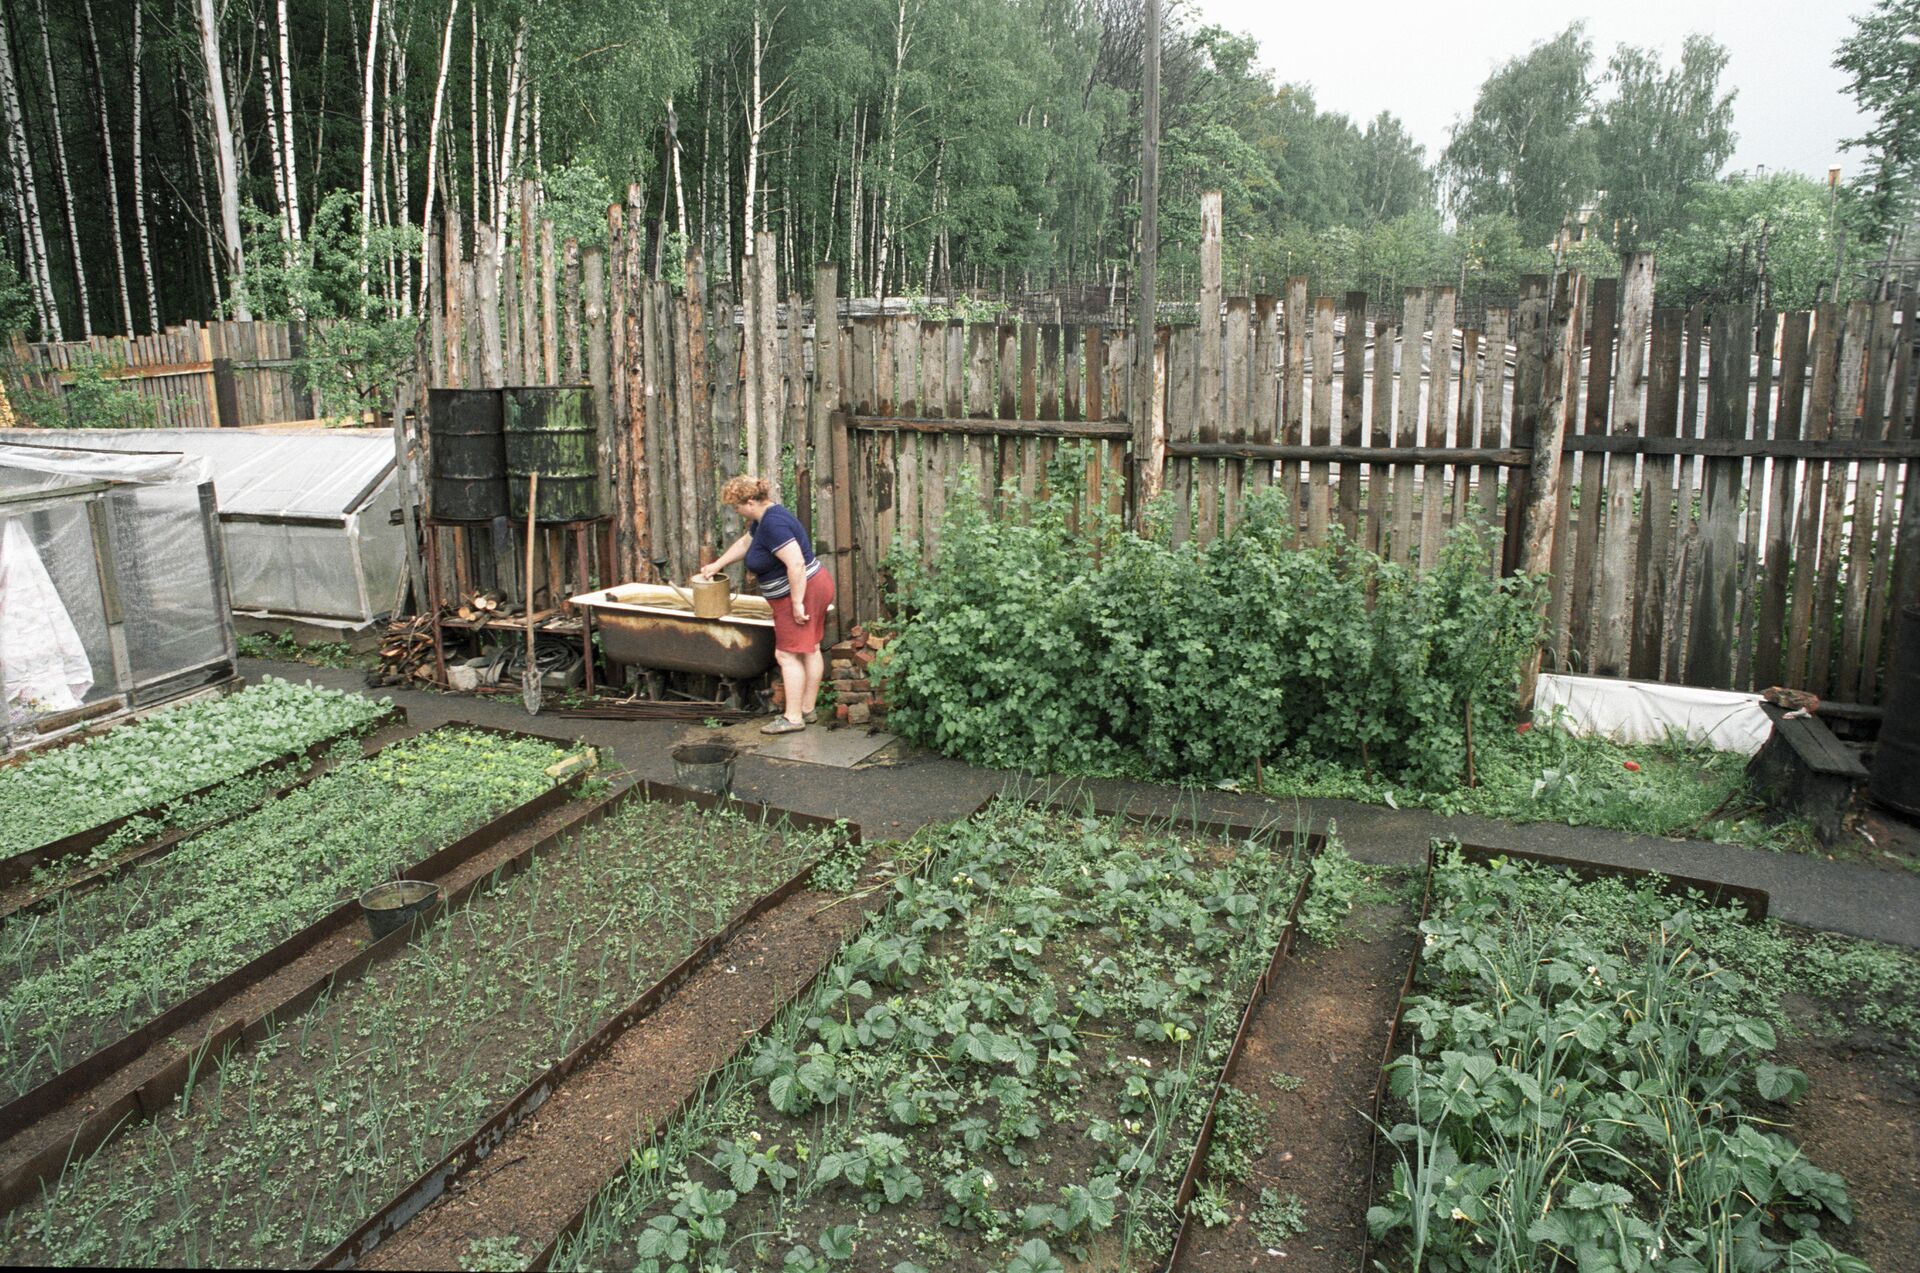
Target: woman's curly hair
(745,489)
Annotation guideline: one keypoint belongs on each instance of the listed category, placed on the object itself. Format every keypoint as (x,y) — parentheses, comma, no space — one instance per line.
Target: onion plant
(297,1140)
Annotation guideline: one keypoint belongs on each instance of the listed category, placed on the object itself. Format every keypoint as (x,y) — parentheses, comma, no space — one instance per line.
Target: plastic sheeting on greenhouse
(112,593)
(307,518)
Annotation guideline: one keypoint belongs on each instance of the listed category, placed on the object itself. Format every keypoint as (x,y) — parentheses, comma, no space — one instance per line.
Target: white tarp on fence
(1647,711)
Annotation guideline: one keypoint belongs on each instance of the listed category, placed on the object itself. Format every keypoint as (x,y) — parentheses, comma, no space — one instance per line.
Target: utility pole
(1147,468)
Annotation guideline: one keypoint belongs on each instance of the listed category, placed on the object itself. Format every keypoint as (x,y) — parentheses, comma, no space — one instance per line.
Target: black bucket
(551,430)
(1895,781)
(391,906)
(705,766)
(468,482)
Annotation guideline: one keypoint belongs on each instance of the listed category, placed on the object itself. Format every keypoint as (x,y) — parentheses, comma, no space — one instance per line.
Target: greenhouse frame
(113,590)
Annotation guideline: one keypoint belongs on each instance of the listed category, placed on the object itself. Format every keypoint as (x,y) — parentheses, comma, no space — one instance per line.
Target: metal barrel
(551,430)
(1895,781)
(468,481)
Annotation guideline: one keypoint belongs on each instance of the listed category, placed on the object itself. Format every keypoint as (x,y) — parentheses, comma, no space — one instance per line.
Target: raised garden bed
(295,1143)
(93,970)
(142,779)
(141,838)
(1589,1076)
(1013,1062)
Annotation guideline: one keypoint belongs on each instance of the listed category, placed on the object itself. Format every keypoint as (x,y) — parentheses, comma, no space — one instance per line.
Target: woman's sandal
(781,725)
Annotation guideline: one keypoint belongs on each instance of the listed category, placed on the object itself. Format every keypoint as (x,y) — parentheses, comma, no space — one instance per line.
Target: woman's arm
(735,552)
(796,563)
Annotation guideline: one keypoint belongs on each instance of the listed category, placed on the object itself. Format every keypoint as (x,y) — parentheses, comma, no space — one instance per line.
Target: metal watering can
(710,598)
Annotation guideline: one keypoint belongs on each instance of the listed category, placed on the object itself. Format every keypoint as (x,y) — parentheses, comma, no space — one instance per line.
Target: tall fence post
(1559,391)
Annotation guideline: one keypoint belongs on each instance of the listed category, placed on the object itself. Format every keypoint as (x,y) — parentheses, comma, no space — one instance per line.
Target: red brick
(864,658)
(841,712)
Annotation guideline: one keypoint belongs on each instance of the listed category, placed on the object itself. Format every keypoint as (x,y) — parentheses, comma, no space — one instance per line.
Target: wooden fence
(197,375)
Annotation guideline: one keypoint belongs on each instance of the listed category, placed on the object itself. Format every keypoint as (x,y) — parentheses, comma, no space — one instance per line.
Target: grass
(287,648)
(1548,774)
(285,1149)
(1006,1069)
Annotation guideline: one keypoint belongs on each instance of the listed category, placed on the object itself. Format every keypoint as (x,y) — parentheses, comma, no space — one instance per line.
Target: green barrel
(550,430)
(468,481)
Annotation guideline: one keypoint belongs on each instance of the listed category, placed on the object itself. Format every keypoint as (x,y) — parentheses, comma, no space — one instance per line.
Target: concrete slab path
(893,799)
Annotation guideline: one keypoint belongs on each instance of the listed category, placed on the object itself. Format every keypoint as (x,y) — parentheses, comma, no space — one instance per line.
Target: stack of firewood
(406,652)
(481,606)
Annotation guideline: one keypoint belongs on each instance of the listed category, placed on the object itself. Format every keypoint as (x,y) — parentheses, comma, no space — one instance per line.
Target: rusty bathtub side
(646,625)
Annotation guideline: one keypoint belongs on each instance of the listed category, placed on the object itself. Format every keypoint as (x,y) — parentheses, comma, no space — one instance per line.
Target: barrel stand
(592,545)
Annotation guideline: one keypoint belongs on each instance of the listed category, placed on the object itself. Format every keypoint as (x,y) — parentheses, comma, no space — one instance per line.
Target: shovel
(530,675)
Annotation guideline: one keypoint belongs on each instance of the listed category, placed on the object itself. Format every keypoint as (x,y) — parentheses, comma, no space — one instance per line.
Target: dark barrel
(1895,781)
(469,478)
(550,430)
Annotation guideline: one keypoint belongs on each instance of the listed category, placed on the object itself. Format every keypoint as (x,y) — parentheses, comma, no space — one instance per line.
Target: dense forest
(171,159)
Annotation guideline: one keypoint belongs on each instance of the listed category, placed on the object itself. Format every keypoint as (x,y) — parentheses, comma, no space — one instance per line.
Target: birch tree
(65,176)
(366,146)
(902,41)
(226,167)
(140,231)
(112,169)
(433,142)
(286,125)
(20,159)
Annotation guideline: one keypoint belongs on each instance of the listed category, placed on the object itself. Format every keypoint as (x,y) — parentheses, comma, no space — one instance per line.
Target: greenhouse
(112,592)
(307,518)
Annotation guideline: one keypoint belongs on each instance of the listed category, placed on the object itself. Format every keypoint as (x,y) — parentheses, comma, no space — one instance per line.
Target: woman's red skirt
(803,638)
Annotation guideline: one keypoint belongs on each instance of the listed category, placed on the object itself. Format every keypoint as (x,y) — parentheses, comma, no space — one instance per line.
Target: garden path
(907,789)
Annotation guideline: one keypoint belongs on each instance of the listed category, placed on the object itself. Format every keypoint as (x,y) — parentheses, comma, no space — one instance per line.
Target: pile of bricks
(857,699)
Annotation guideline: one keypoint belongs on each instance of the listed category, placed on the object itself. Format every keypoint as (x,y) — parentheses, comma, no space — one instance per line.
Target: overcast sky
(1424,62)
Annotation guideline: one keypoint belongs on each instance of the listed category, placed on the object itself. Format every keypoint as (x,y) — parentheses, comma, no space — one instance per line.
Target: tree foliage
(1527,150)
(1662,135)
(1882,59)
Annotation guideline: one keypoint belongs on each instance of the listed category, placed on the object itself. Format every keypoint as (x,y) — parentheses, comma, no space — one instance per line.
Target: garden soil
(547,1169)
(1325,1023)
(1861,1118)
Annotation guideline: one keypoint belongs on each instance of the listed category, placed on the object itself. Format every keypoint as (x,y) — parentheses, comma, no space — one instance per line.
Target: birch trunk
(473,113)
(113,175)
(853,202)
(901,42)
(366,144)
(679,184)
(63,172)
(503,169)
(756,108)
(286,126)
(403,192)
(433,142)
(20,160)
(225,166)
(274,152)
(140,182)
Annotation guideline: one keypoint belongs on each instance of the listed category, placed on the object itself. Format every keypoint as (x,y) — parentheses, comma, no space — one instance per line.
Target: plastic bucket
(391,906)
(705,766)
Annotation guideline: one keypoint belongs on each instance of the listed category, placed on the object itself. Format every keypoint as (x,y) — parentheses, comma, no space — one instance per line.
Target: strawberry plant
(53,794)
(1008,1067)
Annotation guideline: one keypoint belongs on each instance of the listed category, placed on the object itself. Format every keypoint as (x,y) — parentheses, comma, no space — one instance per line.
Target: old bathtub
(651,626)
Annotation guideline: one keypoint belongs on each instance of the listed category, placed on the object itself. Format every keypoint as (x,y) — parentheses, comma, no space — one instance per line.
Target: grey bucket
(705,766)
(388,907)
